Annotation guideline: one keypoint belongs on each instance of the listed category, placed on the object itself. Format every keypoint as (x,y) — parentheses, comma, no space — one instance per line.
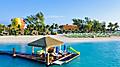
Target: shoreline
(28,39)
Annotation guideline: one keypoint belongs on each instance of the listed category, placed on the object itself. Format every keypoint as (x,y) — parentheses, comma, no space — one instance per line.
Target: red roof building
(70,27)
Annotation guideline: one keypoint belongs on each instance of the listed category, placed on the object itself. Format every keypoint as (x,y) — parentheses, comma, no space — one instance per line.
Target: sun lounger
(69,58)
(58,62)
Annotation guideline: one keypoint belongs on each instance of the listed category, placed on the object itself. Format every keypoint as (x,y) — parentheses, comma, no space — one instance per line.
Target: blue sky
(61,11)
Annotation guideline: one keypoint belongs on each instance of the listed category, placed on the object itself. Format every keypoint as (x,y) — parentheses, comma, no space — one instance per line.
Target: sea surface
(93,54)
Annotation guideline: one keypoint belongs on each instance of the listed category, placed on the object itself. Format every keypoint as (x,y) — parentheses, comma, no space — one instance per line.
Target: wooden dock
(36,58)
(22,55)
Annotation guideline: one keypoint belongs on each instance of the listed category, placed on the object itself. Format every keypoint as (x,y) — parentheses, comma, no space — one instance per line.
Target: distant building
(70,27)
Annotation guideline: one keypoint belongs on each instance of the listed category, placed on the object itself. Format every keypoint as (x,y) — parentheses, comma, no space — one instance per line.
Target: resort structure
(70,27)
(52,52)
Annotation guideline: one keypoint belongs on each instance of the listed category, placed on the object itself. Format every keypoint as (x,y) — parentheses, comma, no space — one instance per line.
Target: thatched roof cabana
(46,42)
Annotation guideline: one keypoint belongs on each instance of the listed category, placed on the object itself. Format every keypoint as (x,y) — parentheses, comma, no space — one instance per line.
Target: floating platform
(66,59)
(23,55)
(34,57)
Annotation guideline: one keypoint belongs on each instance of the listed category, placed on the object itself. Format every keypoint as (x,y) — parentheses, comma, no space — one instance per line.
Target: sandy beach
(27,39)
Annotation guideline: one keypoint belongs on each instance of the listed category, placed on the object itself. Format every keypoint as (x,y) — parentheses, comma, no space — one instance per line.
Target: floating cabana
(53,52)
(60,56)
(45,43)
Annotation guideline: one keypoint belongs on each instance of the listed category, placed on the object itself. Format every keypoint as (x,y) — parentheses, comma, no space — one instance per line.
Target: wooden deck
(23,55)
(36,58)
(66,59)
(30,57)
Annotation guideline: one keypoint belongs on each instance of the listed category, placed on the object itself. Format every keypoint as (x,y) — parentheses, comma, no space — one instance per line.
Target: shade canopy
(46,42)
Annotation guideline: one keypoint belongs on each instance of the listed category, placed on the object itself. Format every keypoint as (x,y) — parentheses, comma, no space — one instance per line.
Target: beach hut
(45,43)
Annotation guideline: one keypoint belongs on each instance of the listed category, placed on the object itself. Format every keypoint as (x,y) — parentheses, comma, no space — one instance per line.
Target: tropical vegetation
(35,25)
(94,26)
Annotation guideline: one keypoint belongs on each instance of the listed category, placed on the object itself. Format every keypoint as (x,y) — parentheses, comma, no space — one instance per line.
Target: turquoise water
(93,54)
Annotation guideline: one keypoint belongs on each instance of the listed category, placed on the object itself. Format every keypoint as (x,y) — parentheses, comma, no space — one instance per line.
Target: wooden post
(14,50)
(32,50)
(48,59)
(60,47)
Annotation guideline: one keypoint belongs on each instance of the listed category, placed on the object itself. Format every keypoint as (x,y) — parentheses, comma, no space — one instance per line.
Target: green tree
(9,28)
(89,26)
(47,26)
(40,19)
(79,23)
(87,19)
(103,27)
(36,20)
(115,27)
(56,26)
(110,26)
(1,28)
(61,26)
(96,26)
(26,32)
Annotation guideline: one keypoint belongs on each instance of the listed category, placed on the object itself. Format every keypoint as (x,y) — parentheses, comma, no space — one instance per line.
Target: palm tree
(9,29)
(1,28)
(53,26)
(89,26)
(56,26)
(36,20)
(47,29)
(61,26)
(26,31)
(96,26)
(116,26)
(47,26)
(110,26)
(13,31)
(79,23)
(30,19)
(40,19)
(103,27)
(87,19)
(75,22)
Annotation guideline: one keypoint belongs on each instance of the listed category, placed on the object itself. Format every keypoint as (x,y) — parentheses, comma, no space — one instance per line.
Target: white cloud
(55,17)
